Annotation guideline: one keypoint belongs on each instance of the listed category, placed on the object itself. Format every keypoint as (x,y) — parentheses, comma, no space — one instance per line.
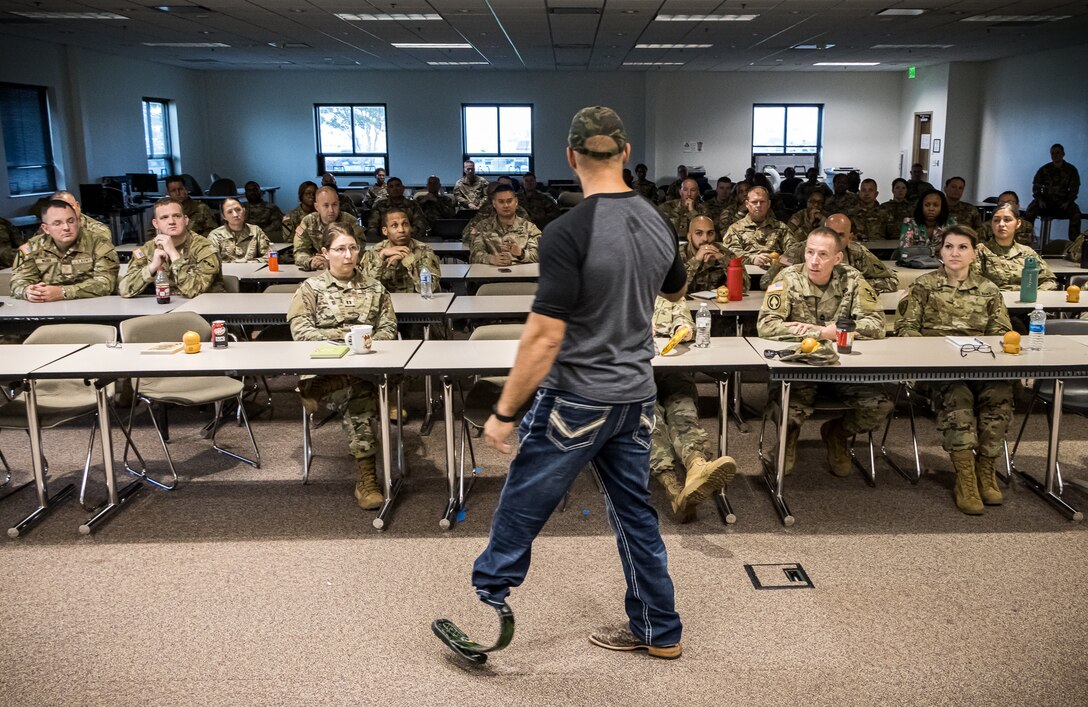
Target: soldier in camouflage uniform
(1074,250)
(681,210)
(1055,188)
(705,261)
(65,262)
(324,308)
(973,416)
(916,186)
(201,218)
(723,199)
(541,207)
(964,213)
(643,185)
(396,261)
(806,301)
(433,202)
(394,189)
(673,190)
(86,223)
(376,193)
(758,234)
(487,211)
(1001,260)
(805,220)
(237,241)
(1025,233)
(506,238)
(842,200)
(678,438)
(897,209)
(260,213)
(347,206)
(9,241)
(812,183)
(871,221)
(857,256)
(307,194)
(190,260)
(470,191)
(311,231)
(739,210)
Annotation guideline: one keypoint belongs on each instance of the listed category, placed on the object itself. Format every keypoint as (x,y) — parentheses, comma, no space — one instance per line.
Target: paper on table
(705,294)
(961,341)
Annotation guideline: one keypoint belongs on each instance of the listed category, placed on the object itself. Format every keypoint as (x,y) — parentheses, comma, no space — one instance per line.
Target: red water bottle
(273,261)
(734,279)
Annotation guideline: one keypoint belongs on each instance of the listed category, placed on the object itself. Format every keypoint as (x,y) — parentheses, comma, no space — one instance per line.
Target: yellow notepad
(329,351)
(165,347)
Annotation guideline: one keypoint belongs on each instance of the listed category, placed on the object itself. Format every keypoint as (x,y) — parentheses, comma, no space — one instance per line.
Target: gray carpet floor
(245,587)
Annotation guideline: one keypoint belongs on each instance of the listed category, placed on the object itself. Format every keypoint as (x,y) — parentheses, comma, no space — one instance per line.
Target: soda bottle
(702,327)
(1036,328)
(273,261)
(162,287)
(426,285)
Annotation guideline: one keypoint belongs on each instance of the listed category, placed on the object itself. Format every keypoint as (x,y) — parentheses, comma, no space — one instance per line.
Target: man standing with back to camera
(586,354)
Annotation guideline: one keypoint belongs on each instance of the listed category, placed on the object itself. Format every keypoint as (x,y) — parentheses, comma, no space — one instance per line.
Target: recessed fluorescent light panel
(457,63)
(812,46)
(189,45)
(653,63)
(1016,18)
(70,15)
(900,12)
(391,17)
(673,46)
(417,45)
(847,63)
(911,46)
(705,18)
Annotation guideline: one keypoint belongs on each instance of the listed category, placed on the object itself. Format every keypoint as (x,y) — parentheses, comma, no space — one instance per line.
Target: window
(24,117)
(351,139)
(160,151)
(498,138)
(787,130)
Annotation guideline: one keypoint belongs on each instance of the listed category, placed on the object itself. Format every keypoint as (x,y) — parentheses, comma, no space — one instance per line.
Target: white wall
(962,138)
(928,93)
(861,118)
(1028,104)
(264,121)
(97,123)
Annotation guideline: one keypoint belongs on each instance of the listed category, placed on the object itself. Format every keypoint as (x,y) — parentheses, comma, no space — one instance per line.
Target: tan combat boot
(987,481)
(673,488)
(367,493)
(704,478)
(967,498)
(838,447)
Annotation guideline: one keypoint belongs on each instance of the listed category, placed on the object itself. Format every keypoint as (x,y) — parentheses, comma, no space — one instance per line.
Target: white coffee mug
(359,338)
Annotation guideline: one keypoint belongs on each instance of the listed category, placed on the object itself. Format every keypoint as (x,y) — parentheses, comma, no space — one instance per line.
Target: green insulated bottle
(1029,281)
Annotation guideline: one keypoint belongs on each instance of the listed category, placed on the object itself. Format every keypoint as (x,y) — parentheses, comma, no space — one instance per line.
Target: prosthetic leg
(466,648)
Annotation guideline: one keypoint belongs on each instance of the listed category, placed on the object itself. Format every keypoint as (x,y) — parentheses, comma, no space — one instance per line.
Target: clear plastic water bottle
(1036,328)
(426,284)
(702,327)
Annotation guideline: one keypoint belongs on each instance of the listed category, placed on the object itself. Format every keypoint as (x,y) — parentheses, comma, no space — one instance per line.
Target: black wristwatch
(500,417)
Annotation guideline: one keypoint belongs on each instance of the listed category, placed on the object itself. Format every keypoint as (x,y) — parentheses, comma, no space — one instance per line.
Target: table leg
(115,498)
(720,499)
(1048,490)
(46,503)
(428,416)
(389,486)
(774,484)
(453,505)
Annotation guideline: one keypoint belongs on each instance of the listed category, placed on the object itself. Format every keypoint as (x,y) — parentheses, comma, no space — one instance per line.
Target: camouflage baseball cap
(591,122)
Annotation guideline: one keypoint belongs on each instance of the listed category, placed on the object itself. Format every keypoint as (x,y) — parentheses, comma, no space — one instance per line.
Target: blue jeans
(560,434)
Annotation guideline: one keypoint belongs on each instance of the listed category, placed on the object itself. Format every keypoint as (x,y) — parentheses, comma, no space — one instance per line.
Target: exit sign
(912,72)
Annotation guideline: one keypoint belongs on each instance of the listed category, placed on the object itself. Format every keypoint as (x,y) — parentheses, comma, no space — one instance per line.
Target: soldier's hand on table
(40,292)
(511,246)
(496,433)
(708,253)
(319,262)
(158,260)
(829,332)
(394,253)
(501,259)
(762,260)
(166,243)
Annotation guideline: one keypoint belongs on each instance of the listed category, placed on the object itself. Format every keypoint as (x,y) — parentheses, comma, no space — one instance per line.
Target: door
(923,130)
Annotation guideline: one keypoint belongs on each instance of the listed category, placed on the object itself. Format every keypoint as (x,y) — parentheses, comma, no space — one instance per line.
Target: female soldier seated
(973,416)
(325,308)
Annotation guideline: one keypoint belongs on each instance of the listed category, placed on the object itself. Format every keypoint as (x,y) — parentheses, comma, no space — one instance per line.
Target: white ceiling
(566,35)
